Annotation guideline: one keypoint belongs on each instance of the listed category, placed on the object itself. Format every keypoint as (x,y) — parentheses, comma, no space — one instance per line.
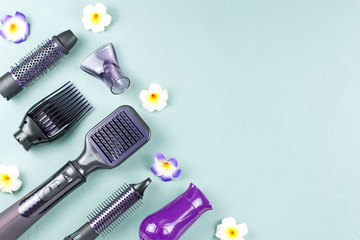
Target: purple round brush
(112,212)
(33,66)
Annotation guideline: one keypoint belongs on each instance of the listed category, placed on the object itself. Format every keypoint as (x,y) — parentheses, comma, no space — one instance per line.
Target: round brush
(112,212)
(36,63)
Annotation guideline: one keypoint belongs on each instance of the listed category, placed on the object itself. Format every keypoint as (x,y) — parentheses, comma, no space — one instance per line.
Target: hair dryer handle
(18,218)
(12,224)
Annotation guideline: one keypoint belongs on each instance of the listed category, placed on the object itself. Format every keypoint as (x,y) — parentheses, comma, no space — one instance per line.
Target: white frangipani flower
(96,18)
(8,178)
(155,98)
(229,230)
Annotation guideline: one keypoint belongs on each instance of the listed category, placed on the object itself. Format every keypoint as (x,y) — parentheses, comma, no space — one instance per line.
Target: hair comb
(53,116)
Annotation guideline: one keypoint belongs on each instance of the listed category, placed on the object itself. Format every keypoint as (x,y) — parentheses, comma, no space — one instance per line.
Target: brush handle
(18,218)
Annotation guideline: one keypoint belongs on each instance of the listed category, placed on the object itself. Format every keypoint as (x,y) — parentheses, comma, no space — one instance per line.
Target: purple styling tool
(33,66)
(107,145)
(103,64)
(112,212)
(172,221)
(53,116)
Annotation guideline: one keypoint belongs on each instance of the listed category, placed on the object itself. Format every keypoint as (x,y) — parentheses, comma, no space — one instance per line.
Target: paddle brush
(112,212)
(107,145)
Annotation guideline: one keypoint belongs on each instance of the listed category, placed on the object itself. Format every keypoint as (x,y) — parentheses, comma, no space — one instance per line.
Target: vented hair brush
(33,66)
(53,116)
(112,212)
(107,145)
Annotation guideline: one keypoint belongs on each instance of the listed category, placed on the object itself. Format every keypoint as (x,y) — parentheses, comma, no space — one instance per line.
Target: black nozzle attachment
(140,187)
(29,134)
(66,41)
(83,233)
(8,86)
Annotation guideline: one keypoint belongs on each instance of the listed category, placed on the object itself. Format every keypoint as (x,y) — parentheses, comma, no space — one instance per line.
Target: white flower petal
(100,8)
(105,19)
(143,95)
(15,184)
(242,228)
(98,28)
(164,95)
(21,25)
(228,222)
(18,37)
(12,171)
(157,169)
(154,87)
(148,106)
(87,23)
(220,232)
(166,176)
(88,10)
(6,32)
(160,105)
(9,22)
(2,184)
(7,189)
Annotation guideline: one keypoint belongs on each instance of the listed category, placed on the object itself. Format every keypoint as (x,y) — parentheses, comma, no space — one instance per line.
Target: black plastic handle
(18,218)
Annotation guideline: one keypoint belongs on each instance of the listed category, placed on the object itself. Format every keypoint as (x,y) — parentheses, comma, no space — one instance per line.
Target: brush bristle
(119,136)
(37,63)
(114,210)
(60,111)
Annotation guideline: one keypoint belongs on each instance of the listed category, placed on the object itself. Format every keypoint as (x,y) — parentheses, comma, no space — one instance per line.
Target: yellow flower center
(5,178)
(13,28)
(95,18)
(232,232)
(166,165)
(153,97)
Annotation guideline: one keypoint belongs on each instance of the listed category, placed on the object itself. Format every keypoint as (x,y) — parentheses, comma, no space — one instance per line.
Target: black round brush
(33,66)
(112,212)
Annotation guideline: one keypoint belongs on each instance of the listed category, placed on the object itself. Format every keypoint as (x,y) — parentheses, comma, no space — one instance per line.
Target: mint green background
(263,112)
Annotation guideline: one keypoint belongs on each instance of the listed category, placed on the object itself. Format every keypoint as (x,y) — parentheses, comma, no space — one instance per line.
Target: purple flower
(166,169)
(15,28)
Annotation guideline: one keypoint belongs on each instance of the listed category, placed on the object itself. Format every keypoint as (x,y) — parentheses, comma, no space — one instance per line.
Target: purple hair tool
(107,145)
(53,116)
(33,66)
(112,212)
(172,221)
(103,64)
